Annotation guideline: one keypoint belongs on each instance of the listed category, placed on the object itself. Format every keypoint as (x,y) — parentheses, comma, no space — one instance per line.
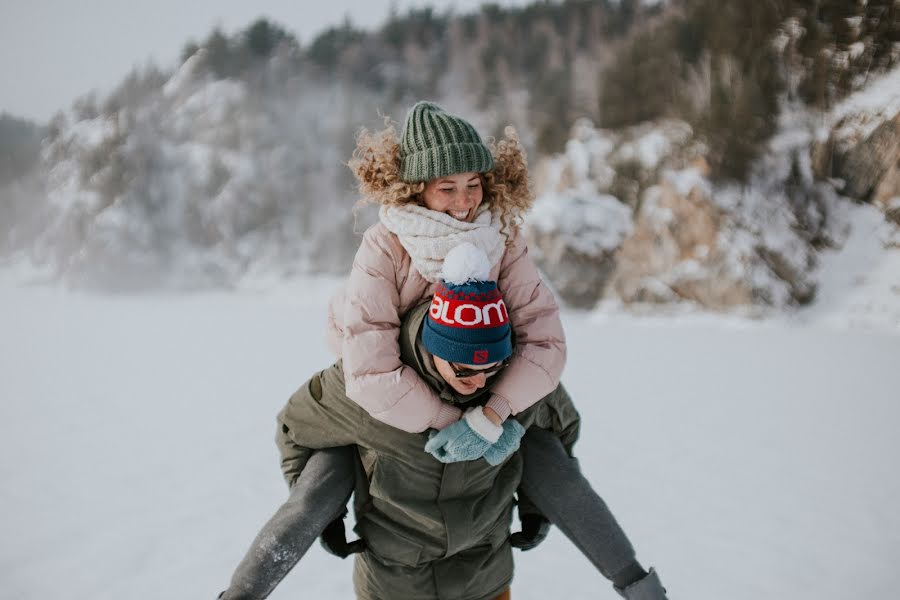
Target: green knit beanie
(436,144)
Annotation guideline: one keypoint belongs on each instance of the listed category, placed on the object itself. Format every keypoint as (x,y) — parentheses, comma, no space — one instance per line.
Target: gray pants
(551,480)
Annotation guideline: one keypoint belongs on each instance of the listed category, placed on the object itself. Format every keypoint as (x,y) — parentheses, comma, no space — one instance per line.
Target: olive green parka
(433,531)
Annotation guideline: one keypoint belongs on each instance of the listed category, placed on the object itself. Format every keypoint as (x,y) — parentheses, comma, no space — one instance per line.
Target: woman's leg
(318,497)
(553,481)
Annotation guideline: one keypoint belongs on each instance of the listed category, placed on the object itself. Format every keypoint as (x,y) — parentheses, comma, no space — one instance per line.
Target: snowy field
(746,460)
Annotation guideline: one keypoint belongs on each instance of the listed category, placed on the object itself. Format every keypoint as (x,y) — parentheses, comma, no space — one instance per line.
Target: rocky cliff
(663,232)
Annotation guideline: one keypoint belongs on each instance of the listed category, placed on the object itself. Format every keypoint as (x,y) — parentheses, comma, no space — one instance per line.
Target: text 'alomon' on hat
(436,144)
(468,322)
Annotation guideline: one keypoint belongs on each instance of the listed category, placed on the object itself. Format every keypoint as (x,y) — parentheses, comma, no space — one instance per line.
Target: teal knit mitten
(467,439)
(507,444)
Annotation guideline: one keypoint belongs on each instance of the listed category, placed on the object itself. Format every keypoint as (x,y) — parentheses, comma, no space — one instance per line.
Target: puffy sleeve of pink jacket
(540,352)
(375,377)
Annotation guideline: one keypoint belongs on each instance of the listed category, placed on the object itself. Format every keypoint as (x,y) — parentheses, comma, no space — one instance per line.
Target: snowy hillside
(198,183)
(631,217)
(859,285)
(230,164)
(745,460)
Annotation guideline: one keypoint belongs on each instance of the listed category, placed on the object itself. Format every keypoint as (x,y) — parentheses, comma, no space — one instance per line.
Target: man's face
(470,383)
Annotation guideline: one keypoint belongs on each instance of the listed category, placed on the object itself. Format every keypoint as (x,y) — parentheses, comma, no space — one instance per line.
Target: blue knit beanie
(467,322)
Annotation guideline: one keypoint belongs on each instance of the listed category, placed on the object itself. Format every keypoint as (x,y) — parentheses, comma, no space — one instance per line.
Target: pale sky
(53,51)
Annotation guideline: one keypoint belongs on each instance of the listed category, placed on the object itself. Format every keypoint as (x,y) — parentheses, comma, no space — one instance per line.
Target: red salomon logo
(480,357)
(468,315)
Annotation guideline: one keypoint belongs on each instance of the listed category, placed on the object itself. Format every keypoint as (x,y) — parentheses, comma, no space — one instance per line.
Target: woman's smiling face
(457,195)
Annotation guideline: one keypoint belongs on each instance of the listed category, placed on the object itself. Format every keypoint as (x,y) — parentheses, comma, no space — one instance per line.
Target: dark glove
(334,539)
(534,529)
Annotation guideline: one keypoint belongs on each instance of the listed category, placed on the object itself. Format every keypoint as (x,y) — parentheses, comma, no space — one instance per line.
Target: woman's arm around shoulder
(376,378)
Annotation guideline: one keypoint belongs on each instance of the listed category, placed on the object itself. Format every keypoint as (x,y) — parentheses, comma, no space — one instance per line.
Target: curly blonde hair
(507,191)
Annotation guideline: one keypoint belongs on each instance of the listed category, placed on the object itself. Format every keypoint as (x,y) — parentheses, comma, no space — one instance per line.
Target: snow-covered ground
(746,460)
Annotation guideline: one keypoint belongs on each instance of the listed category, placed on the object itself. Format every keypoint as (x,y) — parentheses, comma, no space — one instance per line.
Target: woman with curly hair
(440,185)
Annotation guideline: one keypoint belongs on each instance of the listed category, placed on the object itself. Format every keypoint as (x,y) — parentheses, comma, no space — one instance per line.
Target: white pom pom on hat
(465,263)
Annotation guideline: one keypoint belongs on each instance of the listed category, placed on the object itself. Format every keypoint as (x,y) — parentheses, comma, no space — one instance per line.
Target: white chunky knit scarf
(429,235)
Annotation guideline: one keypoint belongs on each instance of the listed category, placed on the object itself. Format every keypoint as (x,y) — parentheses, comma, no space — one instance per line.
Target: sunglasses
(464,373)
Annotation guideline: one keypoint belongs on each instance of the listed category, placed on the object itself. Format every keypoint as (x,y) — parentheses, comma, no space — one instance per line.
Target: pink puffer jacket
(364,326)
